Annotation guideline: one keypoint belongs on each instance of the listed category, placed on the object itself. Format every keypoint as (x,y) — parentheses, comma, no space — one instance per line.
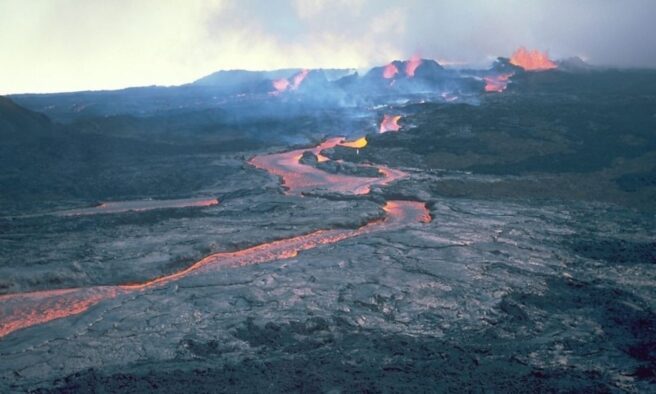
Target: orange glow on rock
(281,84)
(321,158)
(390,123)
(411,65)
(390,71)
(358,144)
(410,211)
(497,83)
(24,310)
(532,60)
(284,84)
(297,79)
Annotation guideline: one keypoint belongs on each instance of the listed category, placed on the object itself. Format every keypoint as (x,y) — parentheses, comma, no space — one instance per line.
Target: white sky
(67,45)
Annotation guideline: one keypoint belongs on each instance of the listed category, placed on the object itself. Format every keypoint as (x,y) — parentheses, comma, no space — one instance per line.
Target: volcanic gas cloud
(390,123)
(532,60)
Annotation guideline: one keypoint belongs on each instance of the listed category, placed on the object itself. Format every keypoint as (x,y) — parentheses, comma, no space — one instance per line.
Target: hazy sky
(65,45)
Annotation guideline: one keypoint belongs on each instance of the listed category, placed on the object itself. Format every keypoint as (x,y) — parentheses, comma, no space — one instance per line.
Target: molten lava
(298,78)
(280,85)
(390,123)
(358,144)
(497,83)
(284,84)
(532,60)
(298,178)
(138,206)
(390,71)
(22,310)
(411,65)
(400,208)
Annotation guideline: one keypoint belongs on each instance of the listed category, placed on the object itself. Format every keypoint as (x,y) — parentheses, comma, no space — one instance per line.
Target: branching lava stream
(22,310)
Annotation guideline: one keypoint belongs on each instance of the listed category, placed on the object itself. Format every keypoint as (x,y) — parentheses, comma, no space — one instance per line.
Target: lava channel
(22,310)
(298,178)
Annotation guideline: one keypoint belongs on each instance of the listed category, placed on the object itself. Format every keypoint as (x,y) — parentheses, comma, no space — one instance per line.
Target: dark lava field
(193,239)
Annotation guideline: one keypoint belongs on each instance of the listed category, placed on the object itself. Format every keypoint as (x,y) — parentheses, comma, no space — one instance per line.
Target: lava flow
(497,83)
(390,123)
(284,84)
(138,206)
(298,178)
(22,310)
(357,144)
(532,60)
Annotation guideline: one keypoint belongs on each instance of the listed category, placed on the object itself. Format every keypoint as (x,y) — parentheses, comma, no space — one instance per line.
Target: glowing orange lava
(497,83)
(298,78)
(358,144)
(298,178)
(532,60)
(390,123)
(138,206)
(390,71)
(281,84)
(22,310)
(284,84)
(411,65)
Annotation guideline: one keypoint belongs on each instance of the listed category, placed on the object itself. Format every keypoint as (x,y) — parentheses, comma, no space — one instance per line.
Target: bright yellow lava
(358,144)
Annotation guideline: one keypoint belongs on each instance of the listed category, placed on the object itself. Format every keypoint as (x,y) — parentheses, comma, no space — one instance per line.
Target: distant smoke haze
(66,45)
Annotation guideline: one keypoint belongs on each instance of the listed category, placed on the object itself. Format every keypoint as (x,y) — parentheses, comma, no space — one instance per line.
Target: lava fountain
(390,71)
(390,123)
(280,85)
(532,60)
(411,65)
(284,84)
(298,78)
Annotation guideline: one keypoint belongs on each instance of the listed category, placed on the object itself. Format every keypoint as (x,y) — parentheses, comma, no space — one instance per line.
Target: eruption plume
(532,60)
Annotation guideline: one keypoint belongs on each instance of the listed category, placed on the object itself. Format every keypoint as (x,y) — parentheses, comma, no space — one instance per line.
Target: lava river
(298,178)
(22,310)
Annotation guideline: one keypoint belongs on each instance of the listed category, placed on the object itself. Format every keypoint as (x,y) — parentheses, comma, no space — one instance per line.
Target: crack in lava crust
(22,310)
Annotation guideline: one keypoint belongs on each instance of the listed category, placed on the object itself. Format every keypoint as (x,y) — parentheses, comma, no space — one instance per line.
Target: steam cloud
(76,44)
